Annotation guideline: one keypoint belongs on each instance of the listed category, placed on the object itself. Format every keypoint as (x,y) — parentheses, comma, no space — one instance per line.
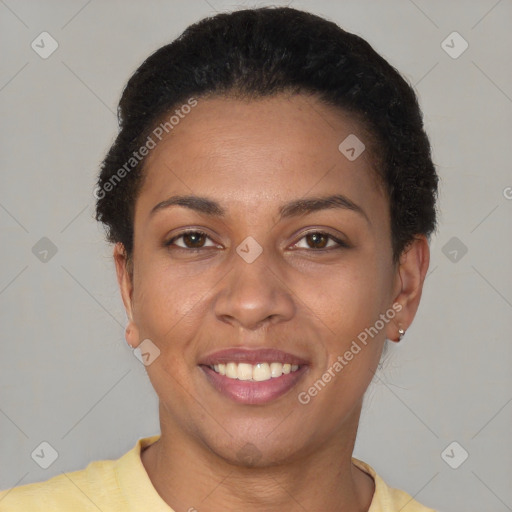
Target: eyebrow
(295,208)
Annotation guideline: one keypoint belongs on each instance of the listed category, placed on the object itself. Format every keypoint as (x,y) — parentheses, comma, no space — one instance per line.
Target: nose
(254,295)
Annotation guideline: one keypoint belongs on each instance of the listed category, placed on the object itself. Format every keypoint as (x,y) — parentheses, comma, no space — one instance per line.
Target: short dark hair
(255,53)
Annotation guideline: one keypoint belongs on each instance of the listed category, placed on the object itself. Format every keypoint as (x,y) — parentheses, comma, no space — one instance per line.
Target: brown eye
(320,240)
(190,240)
(317,240)
(194,240)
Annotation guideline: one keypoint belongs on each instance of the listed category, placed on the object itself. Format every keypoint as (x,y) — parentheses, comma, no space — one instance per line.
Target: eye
(192,240)
(195,240)
(320,239)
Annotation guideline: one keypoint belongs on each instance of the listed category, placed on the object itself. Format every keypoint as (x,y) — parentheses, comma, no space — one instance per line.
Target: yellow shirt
(123,485)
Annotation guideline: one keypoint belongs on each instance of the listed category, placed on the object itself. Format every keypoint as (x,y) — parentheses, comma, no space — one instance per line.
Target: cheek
(351,304)
(167,309)
(351,298)
(167,305)
(351,307)
(169,289)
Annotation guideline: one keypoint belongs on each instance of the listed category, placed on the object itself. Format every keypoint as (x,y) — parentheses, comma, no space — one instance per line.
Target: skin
(252,157)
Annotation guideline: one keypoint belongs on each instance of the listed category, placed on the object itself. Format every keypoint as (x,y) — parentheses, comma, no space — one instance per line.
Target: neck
(190,476)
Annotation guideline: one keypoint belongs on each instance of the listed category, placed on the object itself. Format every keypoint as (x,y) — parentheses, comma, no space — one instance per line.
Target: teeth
(244,371)
(261,372)
(276,369)
(254,372)
(232,370)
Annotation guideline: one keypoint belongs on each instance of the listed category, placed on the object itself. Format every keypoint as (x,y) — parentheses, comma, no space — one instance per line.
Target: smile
(254,372)
(253,376)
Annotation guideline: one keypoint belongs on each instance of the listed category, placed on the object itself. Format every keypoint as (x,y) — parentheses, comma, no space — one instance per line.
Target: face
(268,274)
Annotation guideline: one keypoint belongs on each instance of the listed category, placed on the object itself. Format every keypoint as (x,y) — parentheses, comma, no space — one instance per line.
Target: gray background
(67,375)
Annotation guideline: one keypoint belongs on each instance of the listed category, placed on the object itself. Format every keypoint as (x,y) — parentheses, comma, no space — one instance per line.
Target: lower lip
(249,392)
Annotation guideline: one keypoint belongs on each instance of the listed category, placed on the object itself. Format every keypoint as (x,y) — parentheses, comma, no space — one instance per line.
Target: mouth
(259,372)
(253,376)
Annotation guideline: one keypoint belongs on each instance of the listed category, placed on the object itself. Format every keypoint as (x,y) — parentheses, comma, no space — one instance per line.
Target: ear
(410,276)
(125,280)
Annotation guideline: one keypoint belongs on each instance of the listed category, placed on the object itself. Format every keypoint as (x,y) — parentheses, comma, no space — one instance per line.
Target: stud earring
(127,335)
(401,333)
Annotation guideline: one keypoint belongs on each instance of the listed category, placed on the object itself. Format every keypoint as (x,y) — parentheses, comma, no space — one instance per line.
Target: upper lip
(252,356)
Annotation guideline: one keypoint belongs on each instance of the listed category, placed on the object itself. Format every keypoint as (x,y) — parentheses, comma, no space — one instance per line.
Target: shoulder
(102,485)
(78,491)
(389,499)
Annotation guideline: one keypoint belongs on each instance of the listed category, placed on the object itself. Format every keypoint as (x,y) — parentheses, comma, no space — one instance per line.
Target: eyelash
(341,243)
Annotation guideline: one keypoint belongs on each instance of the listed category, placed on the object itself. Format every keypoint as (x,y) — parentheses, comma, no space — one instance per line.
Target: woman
(270,196)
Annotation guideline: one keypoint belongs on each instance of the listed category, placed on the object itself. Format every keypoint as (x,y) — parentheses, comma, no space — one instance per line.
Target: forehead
(249,153)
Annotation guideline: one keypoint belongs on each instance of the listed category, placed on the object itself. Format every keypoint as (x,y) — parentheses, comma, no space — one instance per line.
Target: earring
(127,335)
(401,333)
